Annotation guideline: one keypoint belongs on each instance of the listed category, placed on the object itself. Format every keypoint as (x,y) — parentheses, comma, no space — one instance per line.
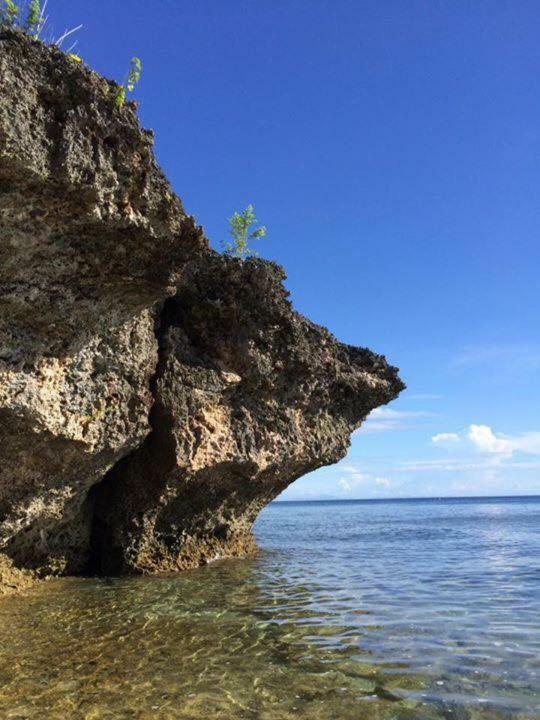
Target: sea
(357,610)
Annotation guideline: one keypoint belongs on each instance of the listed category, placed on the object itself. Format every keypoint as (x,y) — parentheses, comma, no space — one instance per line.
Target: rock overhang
(154,396)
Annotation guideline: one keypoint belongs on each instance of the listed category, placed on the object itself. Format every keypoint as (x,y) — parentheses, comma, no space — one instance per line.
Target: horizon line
(417,497)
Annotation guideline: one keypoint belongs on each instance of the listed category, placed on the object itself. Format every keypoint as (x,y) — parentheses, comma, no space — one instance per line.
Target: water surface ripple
(389,610)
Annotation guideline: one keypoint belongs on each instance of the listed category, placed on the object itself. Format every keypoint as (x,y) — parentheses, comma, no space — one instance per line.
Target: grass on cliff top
(30,17)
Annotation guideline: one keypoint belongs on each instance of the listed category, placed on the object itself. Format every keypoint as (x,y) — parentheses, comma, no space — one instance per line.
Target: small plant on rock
(240,231)
(9,13)
(34,19)
(134,75)
(30,17)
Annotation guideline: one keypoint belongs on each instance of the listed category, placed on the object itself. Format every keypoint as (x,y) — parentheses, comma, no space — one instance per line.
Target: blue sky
(392,149)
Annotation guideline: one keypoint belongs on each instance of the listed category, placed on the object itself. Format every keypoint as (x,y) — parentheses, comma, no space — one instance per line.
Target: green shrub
(133,77)
(240,231)
(9,13)
(34,18)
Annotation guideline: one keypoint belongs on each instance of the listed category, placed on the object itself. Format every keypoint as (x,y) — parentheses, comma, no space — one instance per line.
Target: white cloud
(447,465)
(385,419)
(528,443)
(459,465)
(391,414)
(350,469)
(354,478)
(445,438)
(482,439)
(370,427)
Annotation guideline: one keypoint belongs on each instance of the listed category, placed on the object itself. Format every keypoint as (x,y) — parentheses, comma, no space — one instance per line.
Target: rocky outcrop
(92,241)
(249,396)
(154,396)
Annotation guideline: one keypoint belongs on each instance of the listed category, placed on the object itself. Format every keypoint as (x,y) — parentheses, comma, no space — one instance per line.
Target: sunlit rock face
(92,241)
(249,396)
(153,395)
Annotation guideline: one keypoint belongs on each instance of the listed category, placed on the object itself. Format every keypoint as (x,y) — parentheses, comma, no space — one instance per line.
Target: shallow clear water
(394,610)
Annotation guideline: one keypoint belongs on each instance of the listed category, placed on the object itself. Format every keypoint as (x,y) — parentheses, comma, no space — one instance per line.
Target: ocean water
(353,610)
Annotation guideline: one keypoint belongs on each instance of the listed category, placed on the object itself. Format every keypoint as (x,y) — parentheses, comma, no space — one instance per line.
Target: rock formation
(154,396)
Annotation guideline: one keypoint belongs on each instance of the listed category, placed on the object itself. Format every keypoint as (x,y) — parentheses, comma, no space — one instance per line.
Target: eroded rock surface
(154,396)
(92,241)
(249,396)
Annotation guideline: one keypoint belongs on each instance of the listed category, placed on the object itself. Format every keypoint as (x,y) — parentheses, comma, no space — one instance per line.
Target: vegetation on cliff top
(133,77)
(30,17)
(240,231)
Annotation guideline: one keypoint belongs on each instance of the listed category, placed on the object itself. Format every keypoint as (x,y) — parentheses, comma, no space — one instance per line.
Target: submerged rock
(154,396)
(13,579)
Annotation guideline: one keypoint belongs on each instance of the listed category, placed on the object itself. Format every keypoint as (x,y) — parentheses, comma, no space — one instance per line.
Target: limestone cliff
(154,396)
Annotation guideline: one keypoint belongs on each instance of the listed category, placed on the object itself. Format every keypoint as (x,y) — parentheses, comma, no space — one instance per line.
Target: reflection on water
(380,611)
